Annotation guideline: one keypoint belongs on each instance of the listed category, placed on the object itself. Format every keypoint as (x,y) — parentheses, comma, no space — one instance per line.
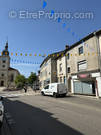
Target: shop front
(85,83)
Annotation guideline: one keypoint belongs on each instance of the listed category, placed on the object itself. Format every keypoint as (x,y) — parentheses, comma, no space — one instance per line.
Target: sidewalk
(16,93)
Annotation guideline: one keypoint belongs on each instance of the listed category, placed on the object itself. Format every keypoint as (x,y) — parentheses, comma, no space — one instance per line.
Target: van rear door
(62,89)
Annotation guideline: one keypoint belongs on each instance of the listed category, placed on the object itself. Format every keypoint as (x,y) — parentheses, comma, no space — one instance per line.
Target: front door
(2,83)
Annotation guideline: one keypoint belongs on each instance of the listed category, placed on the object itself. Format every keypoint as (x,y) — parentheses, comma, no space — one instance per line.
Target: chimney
(67,46)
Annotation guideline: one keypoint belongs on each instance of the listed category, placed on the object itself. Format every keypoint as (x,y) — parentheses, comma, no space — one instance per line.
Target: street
(43,115)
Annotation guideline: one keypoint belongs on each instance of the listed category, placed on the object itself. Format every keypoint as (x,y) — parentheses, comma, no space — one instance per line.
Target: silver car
(1,111)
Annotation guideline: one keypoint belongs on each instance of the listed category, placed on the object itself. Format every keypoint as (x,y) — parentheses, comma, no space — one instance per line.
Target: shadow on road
(35,121)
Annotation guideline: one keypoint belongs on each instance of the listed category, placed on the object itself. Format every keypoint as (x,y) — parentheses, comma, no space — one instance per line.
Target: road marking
(17,95)
(9,119)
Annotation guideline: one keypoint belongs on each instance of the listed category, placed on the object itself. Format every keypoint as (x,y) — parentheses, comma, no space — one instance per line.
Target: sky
(42,35)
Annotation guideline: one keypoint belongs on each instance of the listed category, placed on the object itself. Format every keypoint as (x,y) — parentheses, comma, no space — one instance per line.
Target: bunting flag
(25,62)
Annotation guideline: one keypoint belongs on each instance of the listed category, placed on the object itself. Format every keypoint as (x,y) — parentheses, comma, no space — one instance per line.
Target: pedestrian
(25,88)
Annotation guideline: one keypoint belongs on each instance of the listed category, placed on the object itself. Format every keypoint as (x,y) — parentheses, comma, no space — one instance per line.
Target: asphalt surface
(5,130)
(42,115)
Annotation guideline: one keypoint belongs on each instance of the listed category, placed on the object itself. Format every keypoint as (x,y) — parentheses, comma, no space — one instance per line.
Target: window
(12,78)
(3,66)
(68,69)
(68,56)
(59,59)
(60,67)
(47,87)
(82,65)
(2,83)
(61,79)
(2,75)
(81,50)
(64,79)
(3,61)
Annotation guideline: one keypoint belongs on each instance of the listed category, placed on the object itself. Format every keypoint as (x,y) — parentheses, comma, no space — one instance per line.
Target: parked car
(1,111)
(55,89)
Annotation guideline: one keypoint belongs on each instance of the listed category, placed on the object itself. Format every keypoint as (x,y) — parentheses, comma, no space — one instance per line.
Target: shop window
(80,50)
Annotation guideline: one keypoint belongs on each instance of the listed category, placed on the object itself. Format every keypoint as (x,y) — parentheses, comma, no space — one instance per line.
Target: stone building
(80,66)
(7,74)
(84,67)
(48,70)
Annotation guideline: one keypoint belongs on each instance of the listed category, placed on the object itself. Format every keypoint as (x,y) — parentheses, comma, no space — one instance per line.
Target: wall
(45,72)
(61,60)
(90,50)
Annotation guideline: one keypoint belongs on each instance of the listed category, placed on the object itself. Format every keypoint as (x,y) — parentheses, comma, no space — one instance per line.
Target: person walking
(25,88)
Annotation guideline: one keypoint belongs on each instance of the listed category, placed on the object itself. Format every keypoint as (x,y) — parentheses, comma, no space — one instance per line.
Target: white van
(1,111)
(54,89)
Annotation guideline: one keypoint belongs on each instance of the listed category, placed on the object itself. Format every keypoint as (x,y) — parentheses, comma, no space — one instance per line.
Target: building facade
(78,66)
(48,70)
(7,74)
(83,67)
(61,69)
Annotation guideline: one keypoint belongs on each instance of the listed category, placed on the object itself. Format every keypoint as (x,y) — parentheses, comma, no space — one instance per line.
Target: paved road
(38,115)
(5,130)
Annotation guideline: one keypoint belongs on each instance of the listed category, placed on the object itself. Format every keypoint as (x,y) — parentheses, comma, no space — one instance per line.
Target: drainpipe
(66,71)
(99,60)
(98,51)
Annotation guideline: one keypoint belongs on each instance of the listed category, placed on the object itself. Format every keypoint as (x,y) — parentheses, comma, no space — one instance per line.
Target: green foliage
(32,78)
(20,81)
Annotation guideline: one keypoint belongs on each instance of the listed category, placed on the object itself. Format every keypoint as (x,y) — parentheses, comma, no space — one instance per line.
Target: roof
(97,33)
(12,69)
(53,56)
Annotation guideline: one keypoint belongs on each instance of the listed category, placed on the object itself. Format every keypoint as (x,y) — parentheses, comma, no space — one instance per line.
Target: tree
(20,81)
(32,78)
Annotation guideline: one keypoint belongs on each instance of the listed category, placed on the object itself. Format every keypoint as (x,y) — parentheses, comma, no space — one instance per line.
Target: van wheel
(43,93)
(55,95)
(1,123)
(64,95)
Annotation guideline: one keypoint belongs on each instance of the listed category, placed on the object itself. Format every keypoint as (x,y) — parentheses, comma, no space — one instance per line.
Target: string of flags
(54,55)
(26,54)
(24,62)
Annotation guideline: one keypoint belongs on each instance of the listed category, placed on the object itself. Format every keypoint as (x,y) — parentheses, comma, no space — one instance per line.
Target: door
(78,87)
(83,87)
(46,90)
(87,88)
(2,83)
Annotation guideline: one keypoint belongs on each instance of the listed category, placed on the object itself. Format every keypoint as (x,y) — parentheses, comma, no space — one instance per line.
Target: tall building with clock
(7,74)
